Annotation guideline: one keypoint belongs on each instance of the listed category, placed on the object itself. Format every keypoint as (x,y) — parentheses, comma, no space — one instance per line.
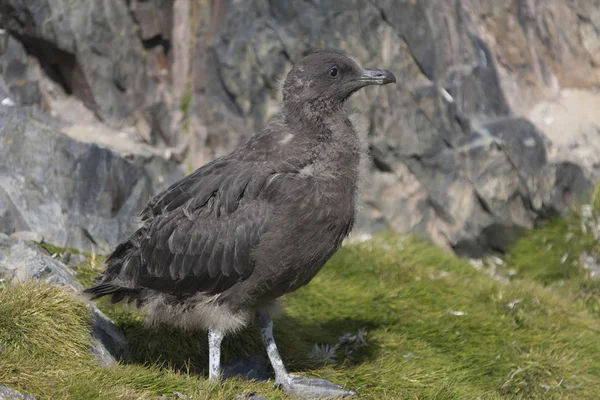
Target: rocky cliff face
(76,194)
(95,52)
(468,148)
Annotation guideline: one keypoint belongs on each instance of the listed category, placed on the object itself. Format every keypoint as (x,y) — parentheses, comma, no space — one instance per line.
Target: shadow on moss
(187,350)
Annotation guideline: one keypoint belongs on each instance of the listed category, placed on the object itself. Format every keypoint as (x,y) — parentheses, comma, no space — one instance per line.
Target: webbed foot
(313,388)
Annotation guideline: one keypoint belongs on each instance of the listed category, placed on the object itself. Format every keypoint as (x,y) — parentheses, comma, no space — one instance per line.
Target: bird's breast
(329,205)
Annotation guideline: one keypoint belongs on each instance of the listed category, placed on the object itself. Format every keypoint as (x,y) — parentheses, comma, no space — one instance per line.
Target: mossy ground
(436,328)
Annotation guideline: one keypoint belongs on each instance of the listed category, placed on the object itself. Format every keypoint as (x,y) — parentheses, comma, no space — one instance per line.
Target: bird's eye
(333,72)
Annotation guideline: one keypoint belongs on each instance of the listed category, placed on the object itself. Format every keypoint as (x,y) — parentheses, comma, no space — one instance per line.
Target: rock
(11,219)
(454,154)
(180,68)
(27,236)
(479,195)
(590,264)
(72,259)
(176,396)
(154,17)
(75,193)
(93,51)
(110,343)
(7,393)
(249,396)
(572,123)
(20,261)
(21,80)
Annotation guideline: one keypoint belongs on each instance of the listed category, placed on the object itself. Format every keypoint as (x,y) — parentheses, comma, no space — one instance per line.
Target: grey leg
(265,327)
(294,385)
(215,337)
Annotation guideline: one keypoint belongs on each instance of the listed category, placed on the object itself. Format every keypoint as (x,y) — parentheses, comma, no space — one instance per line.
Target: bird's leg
(265,326)
(215,337)
(296,385)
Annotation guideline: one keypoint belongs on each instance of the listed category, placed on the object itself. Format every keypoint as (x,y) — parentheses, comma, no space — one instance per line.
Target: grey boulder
(76,193)
(93,51)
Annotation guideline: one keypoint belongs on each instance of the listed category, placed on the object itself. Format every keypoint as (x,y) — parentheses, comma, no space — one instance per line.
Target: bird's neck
(334,138)
(322,120)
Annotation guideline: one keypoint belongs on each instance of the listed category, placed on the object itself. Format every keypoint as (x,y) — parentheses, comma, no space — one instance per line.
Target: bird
(218,248)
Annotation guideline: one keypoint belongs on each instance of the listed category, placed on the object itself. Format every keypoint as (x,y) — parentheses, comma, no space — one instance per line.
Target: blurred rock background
(493,125)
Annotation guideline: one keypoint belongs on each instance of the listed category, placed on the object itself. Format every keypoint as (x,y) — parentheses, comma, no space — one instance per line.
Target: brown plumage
(248,227)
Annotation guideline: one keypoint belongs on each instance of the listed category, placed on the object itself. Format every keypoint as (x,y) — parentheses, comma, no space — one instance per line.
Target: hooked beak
(376,77)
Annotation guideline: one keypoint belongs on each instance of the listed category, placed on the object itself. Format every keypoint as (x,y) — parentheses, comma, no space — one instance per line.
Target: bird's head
(331,77)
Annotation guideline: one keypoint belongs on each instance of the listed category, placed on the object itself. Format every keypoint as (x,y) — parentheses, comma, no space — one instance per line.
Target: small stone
(249,396)
(66,257)
(586,211)
(497,260)
(76,259)
(476,263)
(590,263)
(512,304)
(7,393)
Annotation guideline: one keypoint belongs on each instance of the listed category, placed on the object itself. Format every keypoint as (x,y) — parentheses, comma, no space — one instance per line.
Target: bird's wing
(223,178)
(200,232)
(240,174)
(181,255)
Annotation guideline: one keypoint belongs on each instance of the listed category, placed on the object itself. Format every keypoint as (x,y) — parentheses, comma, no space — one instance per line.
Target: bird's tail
(107,283)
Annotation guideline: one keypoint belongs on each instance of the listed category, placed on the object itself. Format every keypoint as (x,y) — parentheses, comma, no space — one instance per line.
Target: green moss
(435,329)
(89,269)
(186,99)
(553,254)
(53,249)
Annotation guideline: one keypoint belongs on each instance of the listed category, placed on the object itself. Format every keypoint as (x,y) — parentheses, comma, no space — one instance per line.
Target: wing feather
(227,258)
(241,259)
(213,264)
(205,254)
(216,256)
(199,234)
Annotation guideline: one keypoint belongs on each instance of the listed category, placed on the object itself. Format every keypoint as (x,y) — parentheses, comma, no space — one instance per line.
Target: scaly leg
(215,337)
(295,385)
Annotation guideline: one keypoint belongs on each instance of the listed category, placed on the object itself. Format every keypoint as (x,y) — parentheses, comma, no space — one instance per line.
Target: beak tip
(378,76)
(388,77)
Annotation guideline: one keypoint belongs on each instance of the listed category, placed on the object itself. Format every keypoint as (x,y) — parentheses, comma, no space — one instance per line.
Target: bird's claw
(313,388)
